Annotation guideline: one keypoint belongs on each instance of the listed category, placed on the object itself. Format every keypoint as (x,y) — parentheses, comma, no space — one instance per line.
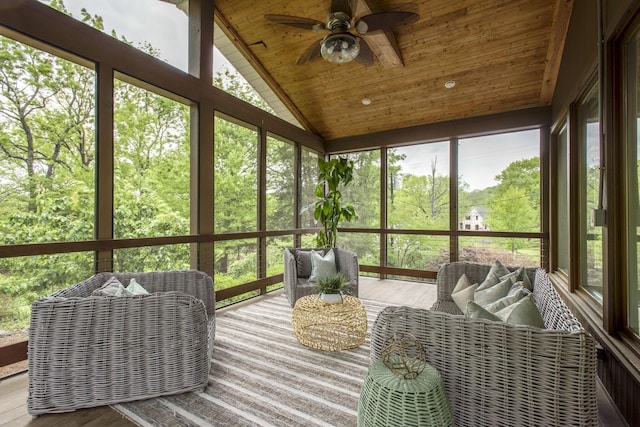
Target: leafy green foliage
(333,284)
(329,210)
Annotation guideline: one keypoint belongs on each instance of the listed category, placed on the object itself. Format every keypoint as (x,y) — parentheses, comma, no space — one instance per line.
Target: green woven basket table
(387,399)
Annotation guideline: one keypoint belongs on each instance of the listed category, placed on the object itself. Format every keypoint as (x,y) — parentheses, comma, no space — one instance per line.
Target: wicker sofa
(297,268)
(499,374)
(87,350)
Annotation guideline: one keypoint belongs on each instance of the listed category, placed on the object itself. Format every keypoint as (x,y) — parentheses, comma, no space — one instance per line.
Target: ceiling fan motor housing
(340,46)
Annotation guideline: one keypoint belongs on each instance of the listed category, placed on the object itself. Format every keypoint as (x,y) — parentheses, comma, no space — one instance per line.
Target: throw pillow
(523,312)
(111,287)
(517,287)
(463,292)
(519,275)
(135,288)
(475,311)
(303,262)
(322,266)
(492,294)
(497,270)
(505,301)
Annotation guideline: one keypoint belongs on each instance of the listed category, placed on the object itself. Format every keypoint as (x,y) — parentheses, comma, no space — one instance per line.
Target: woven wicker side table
(329,327)
(387,399)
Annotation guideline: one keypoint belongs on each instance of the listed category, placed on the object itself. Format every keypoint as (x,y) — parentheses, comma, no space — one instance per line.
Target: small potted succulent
(330,288)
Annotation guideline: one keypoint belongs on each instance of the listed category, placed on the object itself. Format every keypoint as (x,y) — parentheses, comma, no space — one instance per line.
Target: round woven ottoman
(387,399)
(329,327)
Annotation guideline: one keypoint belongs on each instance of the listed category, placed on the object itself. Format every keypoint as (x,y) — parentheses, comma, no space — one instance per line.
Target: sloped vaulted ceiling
(502,54)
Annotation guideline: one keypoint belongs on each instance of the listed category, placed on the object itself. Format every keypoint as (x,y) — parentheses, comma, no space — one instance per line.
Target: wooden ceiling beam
(383,45)
(231,33)
(560,26)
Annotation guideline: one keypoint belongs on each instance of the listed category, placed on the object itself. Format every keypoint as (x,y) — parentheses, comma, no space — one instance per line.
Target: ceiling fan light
(340,48)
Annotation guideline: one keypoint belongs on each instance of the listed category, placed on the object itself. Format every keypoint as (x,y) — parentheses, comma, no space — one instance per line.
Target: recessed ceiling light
(366,101)
(449,84)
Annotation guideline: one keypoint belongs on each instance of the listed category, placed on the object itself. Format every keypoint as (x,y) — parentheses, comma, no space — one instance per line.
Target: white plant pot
(331,298)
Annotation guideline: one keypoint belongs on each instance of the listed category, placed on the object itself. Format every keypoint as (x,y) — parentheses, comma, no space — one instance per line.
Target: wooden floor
(13,390)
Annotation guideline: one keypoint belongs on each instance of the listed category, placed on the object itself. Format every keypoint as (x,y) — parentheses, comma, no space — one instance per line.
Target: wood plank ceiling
(503,55)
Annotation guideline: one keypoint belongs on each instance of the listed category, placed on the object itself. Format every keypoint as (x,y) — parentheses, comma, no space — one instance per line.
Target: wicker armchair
(499,374)
(297,268)
(87,351)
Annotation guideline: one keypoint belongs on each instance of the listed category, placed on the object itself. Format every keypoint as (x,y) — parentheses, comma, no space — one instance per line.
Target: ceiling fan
(340,45)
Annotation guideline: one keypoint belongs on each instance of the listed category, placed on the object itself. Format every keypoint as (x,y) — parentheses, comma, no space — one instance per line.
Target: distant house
(474,220)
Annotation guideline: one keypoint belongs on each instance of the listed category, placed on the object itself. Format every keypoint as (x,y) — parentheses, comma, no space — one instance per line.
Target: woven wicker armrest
(347,264)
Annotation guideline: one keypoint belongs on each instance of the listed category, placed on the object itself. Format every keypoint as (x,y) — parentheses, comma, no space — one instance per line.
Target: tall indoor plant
(333,175)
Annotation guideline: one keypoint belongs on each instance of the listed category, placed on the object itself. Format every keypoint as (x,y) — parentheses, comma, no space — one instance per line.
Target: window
(281,184)
(151,164)
(308,180)
(632,123)
(47,174)
(590,193)
(499,190)
(418,187)
(162,33)
(562,202)
(236,177)
(364,191)
(47,161)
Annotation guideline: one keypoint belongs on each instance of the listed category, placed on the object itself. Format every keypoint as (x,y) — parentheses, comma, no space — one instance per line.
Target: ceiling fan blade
(296,21)
(311,53)
(365,57)
(384,21)
(342,6)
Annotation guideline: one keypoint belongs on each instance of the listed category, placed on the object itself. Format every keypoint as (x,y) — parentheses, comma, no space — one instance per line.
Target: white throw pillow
(322,267)
(463,292)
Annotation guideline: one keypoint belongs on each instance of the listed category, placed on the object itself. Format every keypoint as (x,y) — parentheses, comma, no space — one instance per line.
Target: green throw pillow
(463,292)
(322,267)
(505,301)
(519,275)
(493,293)
(493,276)
(475,311)
(523,312)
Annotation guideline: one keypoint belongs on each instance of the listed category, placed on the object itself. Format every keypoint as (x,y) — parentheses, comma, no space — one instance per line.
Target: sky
(480,159)
(157,22)
(165,27)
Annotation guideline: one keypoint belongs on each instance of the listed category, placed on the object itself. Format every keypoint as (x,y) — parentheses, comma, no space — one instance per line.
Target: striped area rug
(261,376)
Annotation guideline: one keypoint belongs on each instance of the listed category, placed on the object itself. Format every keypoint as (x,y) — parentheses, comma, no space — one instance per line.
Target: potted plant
(329,210)
(330,288)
